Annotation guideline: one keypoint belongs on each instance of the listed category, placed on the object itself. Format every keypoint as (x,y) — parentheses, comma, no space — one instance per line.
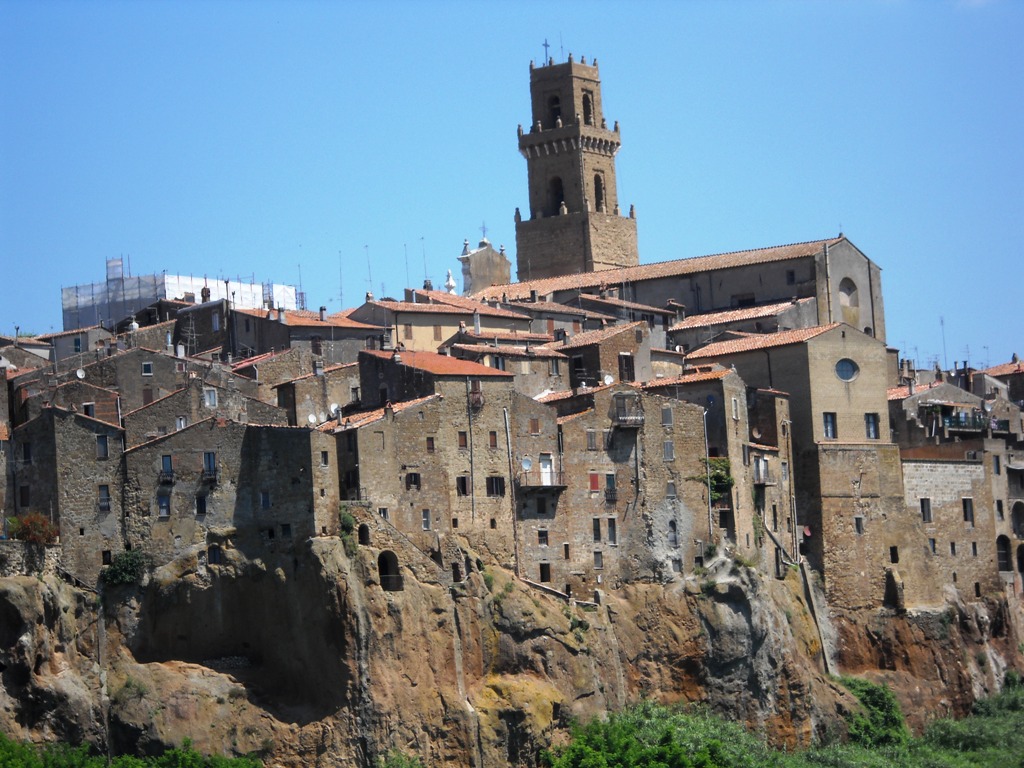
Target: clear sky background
(275,140)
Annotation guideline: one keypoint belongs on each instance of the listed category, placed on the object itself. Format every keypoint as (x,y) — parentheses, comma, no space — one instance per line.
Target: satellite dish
(987,407)
(80,373)
(756,433)
(335,409)
(311,418)
(608,379)
(527,463)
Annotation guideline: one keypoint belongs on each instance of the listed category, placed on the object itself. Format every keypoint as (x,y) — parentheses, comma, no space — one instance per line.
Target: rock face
(306,660)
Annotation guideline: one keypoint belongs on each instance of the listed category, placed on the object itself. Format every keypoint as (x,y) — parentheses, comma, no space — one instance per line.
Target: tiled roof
(508,336)
(676,268)
(465,302)
(72,332)
(508,350)
(607,301)
(902,393)
(596,337)
(362,418)
(450,308)
(549,306)
(158,400)
(564,419)
(761,341)
(328,369)
(302,318)
(567,394)
(735,315)
(1005,369)
(256,359)
(688,378)
(439,365)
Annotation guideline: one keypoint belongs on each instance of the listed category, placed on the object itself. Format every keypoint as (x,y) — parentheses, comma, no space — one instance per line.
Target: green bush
(347,524)
(126,568)
(34,528)
(880,724)
(15,755)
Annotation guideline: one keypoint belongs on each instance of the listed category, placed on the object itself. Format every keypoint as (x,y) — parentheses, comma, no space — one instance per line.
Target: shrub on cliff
(16,755)
(880,724)
(126,568)
(34,528)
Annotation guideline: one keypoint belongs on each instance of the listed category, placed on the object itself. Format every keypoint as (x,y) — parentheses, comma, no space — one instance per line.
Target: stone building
(483,267)
(535,369)
(66,466)
(75,395)
(336,338)
(317,397)
(694,331)
(217,486)
(72,348)
(574,223)
(616,353)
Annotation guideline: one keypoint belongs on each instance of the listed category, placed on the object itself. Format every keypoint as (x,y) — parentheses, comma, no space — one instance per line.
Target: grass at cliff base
(651,736)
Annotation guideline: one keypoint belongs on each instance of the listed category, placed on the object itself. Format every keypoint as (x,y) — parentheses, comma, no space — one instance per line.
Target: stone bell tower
(574,223)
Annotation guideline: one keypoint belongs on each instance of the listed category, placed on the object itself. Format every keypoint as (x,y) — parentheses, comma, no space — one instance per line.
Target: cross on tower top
(546,46)
(483,230)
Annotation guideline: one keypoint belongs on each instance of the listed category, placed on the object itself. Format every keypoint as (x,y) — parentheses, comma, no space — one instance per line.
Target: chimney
(428,285)
(323,314)
(281,317)
(912,386)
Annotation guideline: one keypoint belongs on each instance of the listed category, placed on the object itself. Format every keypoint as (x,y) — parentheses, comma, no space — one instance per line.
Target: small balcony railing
(104,505)
(611,495)
(762,475)
(210,476)
(166,477)
(540,478)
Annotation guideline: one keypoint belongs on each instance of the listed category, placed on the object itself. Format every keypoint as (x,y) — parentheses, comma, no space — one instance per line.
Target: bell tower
(574,223)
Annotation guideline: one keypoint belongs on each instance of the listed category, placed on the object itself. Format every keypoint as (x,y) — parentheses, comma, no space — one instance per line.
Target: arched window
(599,192)
(673,534)
(364,534)
(848,293)
(555,196)
(387,569)
(588,109)
(1003,559)
(1017,519)
(554,110)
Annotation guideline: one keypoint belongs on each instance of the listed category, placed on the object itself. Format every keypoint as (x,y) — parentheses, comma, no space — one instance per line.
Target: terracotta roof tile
(687,378)
(508,336)
(439,365)
(1005,369)
(363,418)
(554,397)
(302,318)
(902,393)
(72,332)
(610,302)
(449,308)
(569,417)
(760,341)
(735,315)
(256,359)
(509,350)
(328,369)
(587,338)
(678,267)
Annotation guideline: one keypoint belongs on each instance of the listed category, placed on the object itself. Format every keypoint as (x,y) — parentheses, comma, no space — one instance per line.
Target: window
(106,557)
(627,370)
(324,459)
(926,510)
(598,560)
(426,519)
(597,529)
(534,426)
(545,572)
(147,368)
(666,416)
(952,548)
(996,465)
(492,439)
(215,320)
(871,426)
(167,464)
(542,537)
(931,545)
(407,331)
(830,426)
(542,505)
(974,549)
(595,481)
(858,525)
(264,499)
(463,439)
(565,551)
(670,489)
(968,505)
(316,345)
(1000,515)
(609,481)
(102,447)
(591,440)
(785,471)
(673,534)
(612,532)
(790,277)
(383,512)
(553,367)
(430,445)
(847,370)
(89,409)
(210,397)
(498,363)
(735,409)
(25,496)
(437,333)
(669,450)
(495,486)
(163,502)
(894,554)
(200,505)
(286,530)
(180,422)
(412,481)
(104,498)
(462,485)
(455,523)
(78,343)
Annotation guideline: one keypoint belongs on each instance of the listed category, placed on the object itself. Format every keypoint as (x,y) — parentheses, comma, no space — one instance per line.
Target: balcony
(762,475)
(210,476)
(974,421)
(540,478)
(166,477)
(104,505)
(627,412)
(611,495)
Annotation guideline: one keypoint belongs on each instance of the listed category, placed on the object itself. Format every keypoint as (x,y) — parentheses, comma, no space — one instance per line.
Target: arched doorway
(1017,519)
(387,568)
(364,534)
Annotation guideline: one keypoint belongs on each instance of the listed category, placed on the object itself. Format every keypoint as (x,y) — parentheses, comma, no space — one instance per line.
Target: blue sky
(269,139)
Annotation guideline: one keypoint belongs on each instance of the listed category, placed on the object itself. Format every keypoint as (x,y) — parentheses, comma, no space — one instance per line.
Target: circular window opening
(847,370)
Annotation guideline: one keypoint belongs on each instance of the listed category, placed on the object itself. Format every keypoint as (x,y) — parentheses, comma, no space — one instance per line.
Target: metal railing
(166,476)
(539,478)
(611,495)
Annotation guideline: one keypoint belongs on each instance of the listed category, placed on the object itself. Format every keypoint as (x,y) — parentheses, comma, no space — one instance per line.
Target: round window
(846,369)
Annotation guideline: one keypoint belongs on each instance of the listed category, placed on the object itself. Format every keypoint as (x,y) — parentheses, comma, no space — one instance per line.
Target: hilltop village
(597,423)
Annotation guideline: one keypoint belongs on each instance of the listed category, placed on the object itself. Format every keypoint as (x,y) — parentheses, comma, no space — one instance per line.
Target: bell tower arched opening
(599,193)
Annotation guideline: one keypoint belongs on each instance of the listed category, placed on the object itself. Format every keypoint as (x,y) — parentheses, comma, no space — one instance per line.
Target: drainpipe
(512,495)
(472,472)
(828,285)
(707,466)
